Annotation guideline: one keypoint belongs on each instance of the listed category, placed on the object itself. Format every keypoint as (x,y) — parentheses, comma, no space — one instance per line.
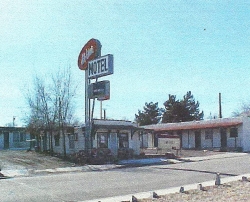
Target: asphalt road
(99,184)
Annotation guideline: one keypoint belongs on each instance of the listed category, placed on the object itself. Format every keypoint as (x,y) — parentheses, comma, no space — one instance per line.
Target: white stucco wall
(135,143)
(144,141)
(205,143)
(216,138)
(150,140)
(184,140)
(245,137)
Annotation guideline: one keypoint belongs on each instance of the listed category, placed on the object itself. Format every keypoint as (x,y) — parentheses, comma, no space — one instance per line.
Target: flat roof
(113,124)
(194,125)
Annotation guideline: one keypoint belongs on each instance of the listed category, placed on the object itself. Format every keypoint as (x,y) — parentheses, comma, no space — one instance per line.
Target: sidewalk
(210,157)
(32,172)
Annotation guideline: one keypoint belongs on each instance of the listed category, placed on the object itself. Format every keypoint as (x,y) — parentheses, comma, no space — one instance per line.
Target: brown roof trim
(220,123)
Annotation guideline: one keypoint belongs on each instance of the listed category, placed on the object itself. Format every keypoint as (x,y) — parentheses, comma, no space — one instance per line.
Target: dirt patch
(10,160)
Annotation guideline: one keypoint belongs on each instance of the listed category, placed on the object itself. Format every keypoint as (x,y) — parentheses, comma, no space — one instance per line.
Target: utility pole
(220,111)
(14,118)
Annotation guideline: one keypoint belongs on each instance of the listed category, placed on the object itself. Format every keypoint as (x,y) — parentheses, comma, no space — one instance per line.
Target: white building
(224,133)
(115,135)
(118,136)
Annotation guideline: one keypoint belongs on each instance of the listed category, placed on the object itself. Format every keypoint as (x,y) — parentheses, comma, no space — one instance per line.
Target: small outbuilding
(14,138)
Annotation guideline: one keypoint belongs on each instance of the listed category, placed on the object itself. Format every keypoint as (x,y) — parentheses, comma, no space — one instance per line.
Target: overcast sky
(160,47)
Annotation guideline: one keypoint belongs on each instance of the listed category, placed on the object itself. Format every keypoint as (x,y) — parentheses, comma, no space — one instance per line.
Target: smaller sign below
(99,90)
(101,66)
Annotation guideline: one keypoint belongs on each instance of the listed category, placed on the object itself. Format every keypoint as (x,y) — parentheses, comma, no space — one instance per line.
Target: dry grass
(29,160)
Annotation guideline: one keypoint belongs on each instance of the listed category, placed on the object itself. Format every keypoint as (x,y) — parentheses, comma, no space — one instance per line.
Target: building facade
(14,138)
(115,135)
(224,133)
(118,136)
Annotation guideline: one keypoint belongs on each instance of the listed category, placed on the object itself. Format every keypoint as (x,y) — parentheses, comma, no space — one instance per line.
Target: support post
(88,142)
(101,109)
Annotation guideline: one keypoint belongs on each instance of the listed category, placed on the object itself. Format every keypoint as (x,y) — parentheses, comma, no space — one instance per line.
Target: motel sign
(101,66)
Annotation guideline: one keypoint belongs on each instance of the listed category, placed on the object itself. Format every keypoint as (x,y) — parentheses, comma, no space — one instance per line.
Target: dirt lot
(11,160)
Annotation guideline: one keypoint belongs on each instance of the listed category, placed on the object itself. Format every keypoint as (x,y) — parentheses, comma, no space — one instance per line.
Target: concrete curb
(210,157)
(32,172)
(149,194)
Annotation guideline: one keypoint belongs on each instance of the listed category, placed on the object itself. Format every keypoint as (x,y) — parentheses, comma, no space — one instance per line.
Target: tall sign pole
(95,66)
(90,51)
(88,145)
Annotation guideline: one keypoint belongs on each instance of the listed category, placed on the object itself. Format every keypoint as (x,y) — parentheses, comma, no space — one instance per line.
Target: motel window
(233,132)
(208,134)
(102,139)
(22,137)
(16,137)
(123,140)
(19,137)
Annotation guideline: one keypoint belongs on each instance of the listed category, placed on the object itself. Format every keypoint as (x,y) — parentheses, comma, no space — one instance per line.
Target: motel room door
(197,139)
(155,140)
(223,137)
(113,144)
(6,140)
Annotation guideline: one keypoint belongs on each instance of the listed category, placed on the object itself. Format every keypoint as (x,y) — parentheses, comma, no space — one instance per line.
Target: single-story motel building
(14,138)
(115,135)
(119,136)
(223,133)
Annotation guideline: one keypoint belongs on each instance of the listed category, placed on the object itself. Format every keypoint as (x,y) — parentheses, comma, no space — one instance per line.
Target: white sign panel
(101,66)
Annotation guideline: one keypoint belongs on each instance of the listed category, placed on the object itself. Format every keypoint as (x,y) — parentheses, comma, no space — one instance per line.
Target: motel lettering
(100,67)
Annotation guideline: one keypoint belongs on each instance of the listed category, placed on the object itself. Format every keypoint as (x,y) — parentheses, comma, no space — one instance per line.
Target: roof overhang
(195,125)
(114,125)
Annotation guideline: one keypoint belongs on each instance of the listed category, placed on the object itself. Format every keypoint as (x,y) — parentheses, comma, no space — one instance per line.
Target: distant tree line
(175,110)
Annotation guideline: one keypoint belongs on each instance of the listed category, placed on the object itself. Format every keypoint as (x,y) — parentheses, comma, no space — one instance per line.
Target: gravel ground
(14,160)
(233,191)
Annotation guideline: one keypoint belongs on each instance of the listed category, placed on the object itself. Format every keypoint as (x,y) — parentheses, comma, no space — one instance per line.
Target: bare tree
(64,92)
(51,104)
(243,111)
